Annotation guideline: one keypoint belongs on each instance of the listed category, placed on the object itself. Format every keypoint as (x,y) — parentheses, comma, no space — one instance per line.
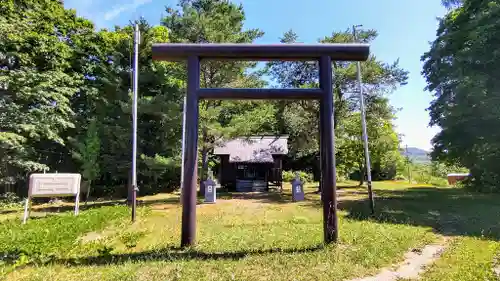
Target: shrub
(341,177)
(438,181)
(400,178)
(305,177)
(130,239)
(10,200)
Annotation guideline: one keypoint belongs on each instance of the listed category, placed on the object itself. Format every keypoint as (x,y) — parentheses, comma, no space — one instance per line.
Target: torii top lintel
(260,52)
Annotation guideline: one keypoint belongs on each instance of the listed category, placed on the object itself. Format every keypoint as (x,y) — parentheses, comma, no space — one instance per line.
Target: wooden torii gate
(323,53)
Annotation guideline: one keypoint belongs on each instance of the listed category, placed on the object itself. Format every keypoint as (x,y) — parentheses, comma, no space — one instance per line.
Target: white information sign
(53,185)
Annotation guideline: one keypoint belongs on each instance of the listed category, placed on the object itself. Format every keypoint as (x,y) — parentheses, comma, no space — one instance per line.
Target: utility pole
(134,121)
(365,134)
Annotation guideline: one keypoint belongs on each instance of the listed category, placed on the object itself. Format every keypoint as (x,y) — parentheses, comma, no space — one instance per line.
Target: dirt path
(414,264)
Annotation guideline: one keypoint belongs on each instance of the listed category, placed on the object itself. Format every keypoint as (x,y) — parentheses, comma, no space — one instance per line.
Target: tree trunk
(89,186)
(204,169)
(281,117)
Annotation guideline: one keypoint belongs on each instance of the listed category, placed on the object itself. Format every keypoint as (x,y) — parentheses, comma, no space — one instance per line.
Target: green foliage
(68,99)
(434,173)
(38,51)
(161,171)
(204,21)
(10,200)
(300,119)
(383,145)
(400,177)
(439,169)
(304,177)
(464,80)
(159,108)
(87,154)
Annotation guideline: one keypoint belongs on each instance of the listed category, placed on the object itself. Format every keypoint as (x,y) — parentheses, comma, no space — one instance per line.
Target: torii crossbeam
(323,53)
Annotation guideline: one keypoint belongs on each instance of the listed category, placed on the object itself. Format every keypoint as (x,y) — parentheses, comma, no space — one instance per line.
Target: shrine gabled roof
(256,149)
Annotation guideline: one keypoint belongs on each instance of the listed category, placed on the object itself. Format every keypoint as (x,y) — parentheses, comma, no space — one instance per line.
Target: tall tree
(219,21)
(38,50)
(298,119)
(302,117)
(87,153)
(107,95)
(383,143)
(379,78)
(463,77)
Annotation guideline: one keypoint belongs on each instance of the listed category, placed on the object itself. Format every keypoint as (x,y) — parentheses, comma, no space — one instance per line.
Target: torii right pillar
(327,152)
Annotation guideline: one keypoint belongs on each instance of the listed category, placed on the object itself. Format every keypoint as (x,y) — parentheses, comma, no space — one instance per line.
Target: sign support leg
(25,217)
(77,204)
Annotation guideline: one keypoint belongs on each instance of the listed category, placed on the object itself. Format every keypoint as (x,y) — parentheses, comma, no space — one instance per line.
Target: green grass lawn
(254,237)
(471,219)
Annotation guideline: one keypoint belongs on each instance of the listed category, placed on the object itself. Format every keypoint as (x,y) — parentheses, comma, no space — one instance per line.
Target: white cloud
(118,9)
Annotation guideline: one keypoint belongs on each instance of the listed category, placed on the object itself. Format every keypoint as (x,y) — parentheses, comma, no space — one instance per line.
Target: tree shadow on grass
(261,197)
(447,211)
(174,254)
(8,211)
(276,197)
(97,204)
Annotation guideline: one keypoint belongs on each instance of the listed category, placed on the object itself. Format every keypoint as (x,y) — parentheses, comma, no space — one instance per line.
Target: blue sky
(405,29)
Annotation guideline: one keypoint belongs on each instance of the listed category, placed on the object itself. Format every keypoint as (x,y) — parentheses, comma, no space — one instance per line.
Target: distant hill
(417,155)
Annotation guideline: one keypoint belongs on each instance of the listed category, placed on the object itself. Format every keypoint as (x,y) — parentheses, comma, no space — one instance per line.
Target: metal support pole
(327,152)
(408,164)
(190,173)
(134,121)
(26,209)
(183,145)
(365,133)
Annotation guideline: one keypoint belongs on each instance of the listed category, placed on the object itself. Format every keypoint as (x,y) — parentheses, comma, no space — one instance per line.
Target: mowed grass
(467,259)
(260,237)
(471,220)
(43,239)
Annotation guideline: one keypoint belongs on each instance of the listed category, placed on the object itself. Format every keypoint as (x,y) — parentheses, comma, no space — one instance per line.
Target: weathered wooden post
(190,176)
(328,179)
